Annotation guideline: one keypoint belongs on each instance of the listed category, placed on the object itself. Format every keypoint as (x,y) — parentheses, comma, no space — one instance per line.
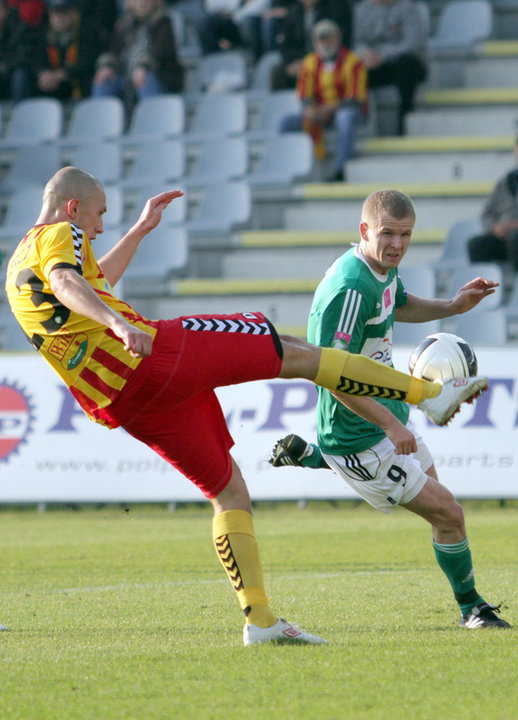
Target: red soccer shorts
(169,402)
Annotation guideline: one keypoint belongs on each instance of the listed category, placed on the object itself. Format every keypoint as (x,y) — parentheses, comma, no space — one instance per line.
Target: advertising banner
(50,451)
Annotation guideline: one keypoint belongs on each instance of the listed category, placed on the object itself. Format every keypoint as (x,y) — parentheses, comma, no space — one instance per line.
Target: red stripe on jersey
(112,363)
(98,384)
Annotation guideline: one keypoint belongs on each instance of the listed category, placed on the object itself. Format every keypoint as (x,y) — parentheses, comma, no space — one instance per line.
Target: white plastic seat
(454,251)
(162,161)
(216,116)
(223,209)
(274,107)
(95,120)
(31,165)
(22,212)
(174,214)
(33,121)
(419,280)
(219,161)
(104,162)
(114,215)
(491,271)
(462,23)
(154,118)
(162,253)
(222,72)
(284,160)
(412,333)
(261,84)
(483,328)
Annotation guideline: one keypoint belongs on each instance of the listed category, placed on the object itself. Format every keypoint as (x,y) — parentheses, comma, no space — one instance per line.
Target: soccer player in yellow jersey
(156,379)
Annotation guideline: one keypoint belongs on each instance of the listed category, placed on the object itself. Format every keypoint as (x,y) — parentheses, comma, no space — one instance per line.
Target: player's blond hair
(69,183)
(393,203)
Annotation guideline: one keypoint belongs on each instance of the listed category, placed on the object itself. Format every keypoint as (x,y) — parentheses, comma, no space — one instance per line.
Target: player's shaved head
(70,183)
(390,203)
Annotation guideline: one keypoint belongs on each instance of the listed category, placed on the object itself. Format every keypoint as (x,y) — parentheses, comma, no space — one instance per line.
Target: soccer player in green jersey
(369,442)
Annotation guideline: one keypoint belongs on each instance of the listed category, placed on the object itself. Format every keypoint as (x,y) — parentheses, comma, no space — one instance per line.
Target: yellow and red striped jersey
(86,354)
(331,83)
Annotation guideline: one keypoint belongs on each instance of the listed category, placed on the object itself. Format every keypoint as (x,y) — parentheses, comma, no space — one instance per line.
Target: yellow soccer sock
(359,375)
(236,546)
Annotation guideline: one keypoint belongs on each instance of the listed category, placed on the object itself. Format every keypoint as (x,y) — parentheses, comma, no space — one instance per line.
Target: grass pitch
(118,614)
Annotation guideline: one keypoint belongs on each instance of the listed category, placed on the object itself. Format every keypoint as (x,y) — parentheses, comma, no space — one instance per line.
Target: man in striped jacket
(332,85)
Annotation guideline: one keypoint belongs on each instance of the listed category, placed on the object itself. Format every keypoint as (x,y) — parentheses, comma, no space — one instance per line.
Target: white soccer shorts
(381,477)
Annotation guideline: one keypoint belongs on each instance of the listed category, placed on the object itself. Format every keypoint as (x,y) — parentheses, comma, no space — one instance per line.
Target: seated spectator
(390,37)
(16,49)
(295,40)
(233,24)
(499,241)
(66,51)
(143,60)
(332,85)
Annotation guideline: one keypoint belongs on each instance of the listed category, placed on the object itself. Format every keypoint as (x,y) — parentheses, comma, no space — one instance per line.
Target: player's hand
(403,440)
(137,342)
(472,293)
(153,209)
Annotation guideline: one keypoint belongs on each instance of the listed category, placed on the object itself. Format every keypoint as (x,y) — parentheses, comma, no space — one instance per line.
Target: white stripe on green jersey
(353,309)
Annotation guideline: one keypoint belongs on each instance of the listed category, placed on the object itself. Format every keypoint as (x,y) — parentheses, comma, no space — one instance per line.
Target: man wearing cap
(332,84)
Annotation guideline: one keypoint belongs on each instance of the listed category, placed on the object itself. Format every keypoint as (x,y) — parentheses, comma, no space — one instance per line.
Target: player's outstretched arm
(74,292)
(115,262)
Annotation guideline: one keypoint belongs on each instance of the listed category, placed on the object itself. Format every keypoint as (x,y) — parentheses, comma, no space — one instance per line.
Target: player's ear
(364,227)
(72,207)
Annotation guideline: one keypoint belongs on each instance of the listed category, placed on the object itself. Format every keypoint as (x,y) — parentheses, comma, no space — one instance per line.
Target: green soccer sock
(455,561)
(312,458)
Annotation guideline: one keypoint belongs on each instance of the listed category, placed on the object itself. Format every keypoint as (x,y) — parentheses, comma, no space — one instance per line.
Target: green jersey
(353,309)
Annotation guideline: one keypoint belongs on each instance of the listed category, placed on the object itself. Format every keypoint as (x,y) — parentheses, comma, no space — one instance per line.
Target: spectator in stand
(143,60)
(16,48)
(390,36)
(105,14)
(499,241)
(65,53)
(332,85)
(295,41)
(233,24)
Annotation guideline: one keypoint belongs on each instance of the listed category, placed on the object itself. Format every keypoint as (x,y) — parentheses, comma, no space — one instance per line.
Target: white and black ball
(442,356)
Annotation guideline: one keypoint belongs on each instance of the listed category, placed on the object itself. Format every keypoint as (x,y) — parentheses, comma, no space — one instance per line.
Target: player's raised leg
(236,546)
(353,374)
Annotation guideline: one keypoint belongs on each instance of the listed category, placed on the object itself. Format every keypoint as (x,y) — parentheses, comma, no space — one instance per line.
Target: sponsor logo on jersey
(69,349)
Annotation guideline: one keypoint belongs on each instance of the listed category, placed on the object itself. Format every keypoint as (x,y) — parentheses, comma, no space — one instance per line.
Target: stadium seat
(274,107)
(223,209)
(285,159)
(491,271)
(105,163)
(221,72)
(483,328)
(454,249)
(261,78)
(419,280)
(22,211)
(31,165)
(33,121)
(161,161)
(217,116)
(114,215)
(162,253)
(174,214)
(219,161)
(95,120)
(155,118)
(462,23)
(412,333)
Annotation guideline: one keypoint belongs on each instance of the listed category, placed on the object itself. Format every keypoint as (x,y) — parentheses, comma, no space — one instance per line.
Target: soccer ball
(443,356)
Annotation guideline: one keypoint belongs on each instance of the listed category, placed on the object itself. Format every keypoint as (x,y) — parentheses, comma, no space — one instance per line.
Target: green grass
(119,614)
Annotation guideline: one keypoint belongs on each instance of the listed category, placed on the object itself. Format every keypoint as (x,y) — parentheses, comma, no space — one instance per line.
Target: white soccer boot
(455,391)
(282,633)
